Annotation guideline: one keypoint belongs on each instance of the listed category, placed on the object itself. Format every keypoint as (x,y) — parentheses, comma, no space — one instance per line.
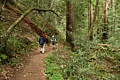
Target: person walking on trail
(53,41)
(41,42)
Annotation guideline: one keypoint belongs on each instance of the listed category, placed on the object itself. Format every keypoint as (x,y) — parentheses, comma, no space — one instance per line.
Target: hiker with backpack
(41,42)
(53,41)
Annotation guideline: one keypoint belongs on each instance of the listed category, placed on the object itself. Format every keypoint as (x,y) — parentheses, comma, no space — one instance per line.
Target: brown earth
(34,68)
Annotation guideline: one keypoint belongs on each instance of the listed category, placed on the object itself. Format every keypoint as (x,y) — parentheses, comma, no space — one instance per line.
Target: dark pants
(53,43)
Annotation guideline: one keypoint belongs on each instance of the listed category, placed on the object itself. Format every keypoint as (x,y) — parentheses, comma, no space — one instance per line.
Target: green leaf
(4,56)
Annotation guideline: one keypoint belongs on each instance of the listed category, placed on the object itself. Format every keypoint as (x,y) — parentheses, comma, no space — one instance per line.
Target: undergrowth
(17,46)
(15,49)
(66,65)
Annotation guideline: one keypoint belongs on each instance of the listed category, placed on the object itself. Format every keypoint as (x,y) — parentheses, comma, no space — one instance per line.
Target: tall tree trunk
(105,28)
(53,7)
(90,19)
(69,23)
(99,29)
(113,15)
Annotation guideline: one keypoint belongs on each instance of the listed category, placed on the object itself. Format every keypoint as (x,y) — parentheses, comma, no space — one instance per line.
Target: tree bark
(113,15)
(69,23)
(105,28)
(92,21)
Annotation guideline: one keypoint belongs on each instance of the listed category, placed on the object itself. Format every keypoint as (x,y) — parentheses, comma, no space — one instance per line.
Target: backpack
(53,40)
(41,40)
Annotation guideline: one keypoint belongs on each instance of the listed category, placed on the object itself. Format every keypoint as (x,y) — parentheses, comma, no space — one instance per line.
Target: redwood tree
(69,22)
(105,28)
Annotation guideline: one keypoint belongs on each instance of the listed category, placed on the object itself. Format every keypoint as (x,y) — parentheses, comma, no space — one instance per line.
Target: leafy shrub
(16,47)
(52,70)
(77,66)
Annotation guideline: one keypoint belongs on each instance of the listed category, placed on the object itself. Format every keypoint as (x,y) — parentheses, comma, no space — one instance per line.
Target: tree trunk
(113,16)
(69,23)
(92,19)
(105,28)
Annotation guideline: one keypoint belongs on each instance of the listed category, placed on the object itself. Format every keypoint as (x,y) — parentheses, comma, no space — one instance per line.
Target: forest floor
(33,68)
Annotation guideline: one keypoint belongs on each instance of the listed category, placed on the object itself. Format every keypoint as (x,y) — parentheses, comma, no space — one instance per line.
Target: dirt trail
(34,69)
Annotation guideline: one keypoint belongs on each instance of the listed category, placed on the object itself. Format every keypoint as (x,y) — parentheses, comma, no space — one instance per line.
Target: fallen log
(104,45)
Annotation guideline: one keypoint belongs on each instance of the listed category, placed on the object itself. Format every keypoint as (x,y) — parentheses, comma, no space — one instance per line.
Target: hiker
(41,42)
(53,41)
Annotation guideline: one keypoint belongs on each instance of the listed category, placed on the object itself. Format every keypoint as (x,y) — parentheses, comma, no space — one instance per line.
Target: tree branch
(46,11)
